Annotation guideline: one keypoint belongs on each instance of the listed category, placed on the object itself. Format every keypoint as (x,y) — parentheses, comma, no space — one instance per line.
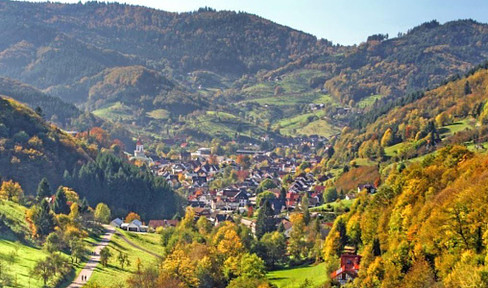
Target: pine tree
(265,222)
(60,205)
(44,219)
(306,212)
(43,190)
(376,247)
(84,205)
(467,88)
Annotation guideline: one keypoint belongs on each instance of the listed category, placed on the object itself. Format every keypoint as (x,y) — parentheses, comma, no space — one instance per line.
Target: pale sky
(340,21)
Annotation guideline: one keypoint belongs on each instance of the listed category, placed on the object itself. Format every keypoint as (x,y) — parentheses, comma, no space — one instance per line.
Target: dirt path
(94,259)
(137,246)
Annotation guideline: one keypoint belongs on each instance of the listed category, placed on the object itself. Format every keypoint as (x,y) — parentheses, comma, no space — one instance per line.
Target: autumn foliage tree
(131,217)
(11,191)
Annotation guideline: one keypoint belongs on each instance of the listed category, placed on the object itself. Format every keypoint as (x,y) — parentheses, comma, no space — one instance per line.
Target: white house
(134,226)
(117,222)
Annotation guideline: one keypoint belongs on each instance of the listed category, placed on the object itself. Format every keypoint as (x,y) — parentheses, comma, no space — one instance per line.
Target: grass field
(307,124)
(150,241)
(364,162)
(291,278)
(222,124)
(18,260)
(295,82)
(294,99)
(453,128)
(115,112)
(14,215)
(113,273)
(16,252)
(394,150)
(320,127)
(159,114)
(368,101)
(344,203)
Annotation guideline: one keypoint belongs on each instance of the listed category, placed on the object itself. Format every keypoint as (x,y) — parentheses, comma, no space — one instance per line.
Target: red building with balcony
(349,268)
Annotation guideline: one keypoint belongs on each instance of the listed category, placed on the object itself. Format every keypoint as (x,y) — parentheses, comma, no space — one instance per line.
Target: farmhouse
(134,226)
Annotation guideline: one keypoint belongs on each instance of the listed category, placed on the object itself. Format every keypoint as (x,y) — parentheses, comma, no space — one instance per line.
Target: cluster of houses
(195,172)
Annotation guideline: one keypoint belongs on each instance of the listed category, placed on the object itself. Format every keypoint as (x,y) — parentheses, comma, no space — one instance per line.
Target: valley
(222,149)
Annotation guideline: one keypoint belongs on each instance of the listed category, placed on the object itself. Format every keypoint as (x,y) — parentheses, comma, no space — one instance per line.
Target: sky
(344,22)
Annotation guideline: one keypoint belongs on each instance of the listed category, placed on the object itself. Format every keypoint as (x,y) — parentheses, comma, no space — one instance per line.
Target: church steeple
(139,152)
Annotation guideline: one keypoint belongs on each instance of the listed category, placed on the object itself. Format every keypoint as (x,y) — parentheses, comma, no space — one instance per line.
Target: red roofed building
(292,199)
(349,268)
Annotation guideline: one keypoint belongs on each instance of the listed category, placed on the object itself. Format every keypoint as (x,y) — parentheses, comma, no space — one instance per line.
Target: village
(232,188)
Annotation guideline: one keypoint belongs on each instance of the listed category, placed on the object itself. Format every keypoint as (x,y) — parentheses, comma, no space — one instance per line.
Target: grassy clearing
(291,278)
(19,260)
(394,150)
(116,112)
(342,204)
(150,241)
(221,124)
(320,127)
(453,128)
(159,114)
(369,101)
(292,83)
(364,162)
(294,99)
(113,273)
(307,124)
(14,215)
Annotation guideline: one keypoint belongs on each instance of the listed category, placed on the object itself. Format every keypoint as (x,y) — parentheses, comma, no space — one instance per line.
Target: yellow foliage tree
(11,191)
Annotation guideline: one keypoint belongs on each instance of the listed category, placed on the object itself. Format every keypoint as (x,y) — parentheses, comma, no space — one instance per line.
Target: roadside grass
(150,241)
(114,274)
(294,277)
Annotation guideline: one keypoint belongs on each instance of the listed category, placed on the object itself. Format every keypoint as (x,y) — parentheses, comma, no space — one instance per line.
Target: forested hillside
(31,149)
(52,108)
(452,113)
(108,57)
(425,226)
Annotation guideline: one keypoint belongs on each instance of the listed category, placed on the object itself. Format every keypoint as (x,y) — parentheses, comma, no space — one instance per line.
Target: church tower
(139,152)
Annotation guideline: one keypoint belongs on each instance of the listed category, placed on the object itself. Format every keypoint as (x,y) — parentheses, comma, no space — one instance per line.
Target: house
(117,222)
(287,226)
(163,223)
(251,224)
(242,198)
(134,226)
(349,268)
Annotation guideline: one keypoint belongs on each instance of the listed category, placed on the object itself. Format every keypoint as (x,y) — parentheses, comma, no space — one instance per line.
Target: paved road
(94,259)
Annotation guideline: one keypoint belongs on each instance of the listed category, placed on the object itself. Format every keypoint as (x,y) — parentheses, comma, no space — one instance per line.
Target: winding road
(94,259)
(87,271)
